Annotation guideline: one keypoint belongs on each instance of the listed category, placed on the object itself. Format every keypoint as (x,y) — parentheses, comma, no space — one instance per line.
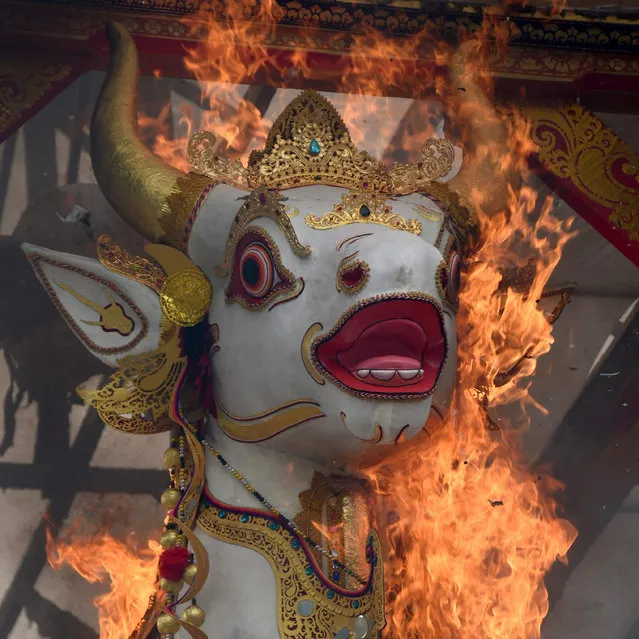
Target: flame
(472,530)
(232,51)
(101,558)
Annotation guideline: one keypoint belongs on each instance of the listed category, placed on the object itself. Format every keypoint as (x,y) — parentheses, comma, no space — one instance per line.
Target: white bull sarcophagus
(290,315)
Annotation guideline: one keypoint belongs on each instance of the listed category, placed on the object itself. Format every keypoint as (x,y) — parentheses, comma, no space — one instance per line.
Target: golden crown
(310,144)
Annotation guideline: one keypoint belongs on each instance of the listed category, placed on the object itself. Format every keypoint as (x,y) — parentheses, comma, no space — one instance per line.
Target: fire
(233,52)
(100,558)
(473,530)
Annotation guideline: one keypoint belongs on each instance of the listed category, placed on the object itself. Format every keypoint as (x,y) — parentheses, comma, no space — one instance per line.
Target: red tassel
(173,562)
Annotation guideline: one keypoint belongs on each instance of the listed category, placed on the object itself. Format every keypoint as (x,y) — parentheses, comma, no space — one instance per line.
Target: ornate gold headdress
(310,144)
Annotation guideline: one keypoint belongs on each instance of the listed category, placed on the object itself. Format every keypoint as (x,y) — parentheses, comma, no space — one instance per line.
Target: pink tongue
(389,344)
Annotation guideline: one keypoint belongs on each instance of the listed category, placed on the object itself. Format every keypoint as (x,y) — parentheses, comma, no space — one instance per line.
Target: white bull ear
(112,315)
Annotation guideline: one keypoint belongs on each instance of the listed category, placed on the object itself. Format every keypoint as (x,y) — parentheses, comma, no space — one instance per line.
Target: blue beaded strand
(286,523)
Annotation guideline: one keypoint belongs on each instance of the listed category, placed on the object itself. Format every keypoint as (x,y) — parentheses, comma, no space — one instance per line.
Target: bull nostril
(352,276)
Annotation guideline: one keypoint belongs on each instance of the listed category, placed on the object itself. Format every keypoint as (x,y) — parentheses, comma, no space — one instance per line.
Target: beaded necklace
(331,556)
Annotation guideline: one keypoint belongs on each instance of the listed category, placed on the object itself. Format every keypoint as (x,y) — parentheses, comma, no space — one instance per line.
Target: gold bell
(169,539)
(189,573)
(170,498)
(167,625)
(169,586)
(194,615)
(171,457)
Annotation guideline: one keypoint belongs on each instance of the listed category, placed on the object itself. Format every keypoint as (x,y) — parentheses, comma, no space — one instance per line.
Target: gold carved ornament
(334,513)
(309,144)
(260,203)
(363,207)
(308,606)
(140,398)
(139,394)
(576,145)
(24,81)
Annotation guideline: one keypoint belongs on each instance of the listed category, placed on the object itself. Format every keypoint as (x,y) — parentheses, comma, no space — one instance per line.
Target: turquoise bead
(330,594)
(356,604)
(308,571)
(244,518)
(273,525)
(314,147)
(364,211)
(222,514)
(295,544)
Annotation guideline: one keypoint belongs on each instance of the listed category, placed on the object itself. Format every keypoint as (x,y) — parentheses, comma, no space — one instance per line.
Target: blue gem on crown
(314,147)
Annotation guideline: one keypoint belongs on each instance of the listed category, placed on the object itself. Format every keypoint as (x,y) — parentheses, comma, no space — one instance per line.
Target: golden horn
(480,181)
(135,181)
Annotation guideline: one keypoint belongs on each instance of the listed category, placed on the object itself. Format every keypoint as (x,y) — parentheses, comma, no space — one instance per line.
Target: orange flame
(233,52)
(100,558)
(474,531)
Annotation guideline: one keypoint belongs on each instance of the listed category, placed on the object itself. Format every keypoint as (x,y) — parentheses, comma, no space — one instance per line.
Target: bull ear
(112,315)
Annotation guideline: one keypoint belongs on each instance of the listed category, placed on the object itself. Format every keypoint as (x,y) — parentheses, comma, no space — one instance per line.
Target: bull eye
(259,280)
(257,271)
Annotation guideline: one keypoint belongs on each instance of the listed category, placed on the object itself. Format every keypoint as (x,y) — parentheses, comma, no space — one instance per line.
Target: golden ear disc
(169,539)
(185,297)
(167,625)
(171,457)
(170,498)
(189,573)
(194,615)
(172,587)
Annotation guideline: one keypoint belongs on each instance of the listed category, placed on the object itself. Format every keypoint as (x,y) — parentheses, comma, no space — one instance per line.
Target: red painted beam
(591,169)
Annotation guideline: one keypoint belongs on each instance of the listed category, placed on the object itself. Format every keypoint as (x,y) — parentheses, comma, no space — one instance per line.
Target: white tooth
(383,375)
(409,374)
(363,372)
(421,371)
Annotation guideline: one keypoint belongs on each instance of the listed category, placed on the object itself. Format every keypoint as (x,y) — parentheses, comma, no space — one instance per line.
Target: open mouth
(389,347)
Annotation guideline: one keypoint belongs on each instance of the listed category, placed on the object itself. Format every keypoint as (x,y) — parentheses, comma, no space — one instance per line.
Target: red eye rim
(256,270)
(452,280)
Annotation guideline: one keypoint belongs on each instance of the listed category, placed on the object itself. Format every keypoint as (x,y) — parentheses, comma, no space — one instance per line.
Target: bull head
(328,282)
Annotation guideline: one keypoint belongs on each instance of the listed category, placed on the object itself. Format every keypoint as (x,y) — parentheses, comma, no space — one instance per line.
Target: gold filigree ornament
(576,145)
(186,296)
(310,144)
(363,207)
(307,605)
(204,160)
(185,292)
(260,203)
(137,398)
(134,267)
(138,395)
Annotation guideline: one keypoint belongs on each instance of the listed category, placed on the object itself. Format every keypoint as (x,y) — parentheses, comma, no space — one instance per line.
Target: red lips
(389,347)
